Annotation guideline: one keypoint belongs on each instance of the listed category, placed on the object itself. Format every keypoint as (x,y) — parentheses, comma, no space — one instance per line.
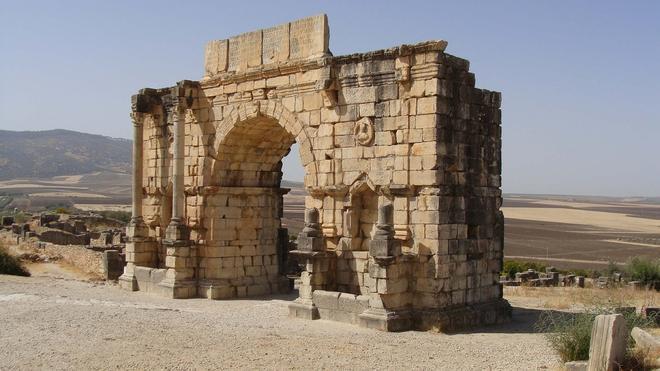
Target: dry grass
(576,299)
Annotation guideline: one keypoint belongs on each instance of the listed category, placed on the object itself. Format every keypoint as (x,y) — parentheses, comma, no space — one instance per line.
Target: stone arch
(272,112)
(242,213)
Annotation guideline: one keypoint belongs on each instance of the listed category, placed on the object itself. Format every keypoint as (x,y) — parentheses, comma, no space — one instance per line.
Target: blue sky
(580,80)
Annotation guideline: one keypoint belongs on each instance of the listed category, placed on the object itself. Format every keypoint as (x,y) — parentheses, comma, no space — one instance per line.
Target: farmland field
(580,231)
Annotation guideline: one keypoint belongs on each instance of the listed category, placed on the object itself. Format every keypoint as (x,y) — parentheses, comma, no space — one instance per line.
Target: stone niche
(402,158)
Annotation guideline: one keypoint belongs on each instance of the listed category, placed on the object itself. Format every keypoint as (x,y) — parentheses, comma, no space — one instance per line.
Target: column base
(177,231)
(136,228)
(383,320)
(128,282)
(215,290)
(303,309)
(178,289)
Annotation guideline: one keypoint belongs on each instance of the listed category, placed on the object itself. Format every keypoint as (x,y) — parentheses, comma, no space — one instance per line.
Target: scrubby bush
(643,269)
(569,334)
(9,264)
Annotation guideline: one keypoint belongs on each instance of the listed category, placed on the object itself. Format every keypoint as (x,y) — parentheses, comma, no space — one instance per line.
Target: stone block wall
(239,257)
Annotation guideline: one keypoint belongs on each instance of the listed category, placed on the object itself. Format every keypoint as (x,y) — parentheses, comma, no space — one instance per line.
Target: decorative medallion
(364,131)
(190,118)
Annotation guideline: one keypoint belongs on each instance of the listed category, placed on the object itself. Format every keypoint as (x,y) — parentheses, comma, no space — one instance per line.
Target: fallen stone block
(608,342)
(576,366)
(646,341)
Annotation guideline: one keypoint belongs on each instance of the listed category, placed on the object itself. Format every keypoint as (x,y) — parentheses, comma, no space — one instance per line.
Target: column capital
(180,105)
(138,118)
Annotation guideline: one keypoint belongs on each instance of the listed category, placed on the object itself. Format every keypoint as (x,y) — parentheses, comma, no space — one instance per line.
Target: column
(315,276)
(181,258)
(137,226)
(140,249)
(177,230)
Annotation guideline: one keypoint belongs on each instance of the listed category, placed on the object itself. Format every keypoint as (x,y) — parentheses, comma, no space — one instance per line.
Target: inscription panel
(251,48)
(309,37)
(276,44)
(304,38)
(215,57)
(234,54)
(245,51)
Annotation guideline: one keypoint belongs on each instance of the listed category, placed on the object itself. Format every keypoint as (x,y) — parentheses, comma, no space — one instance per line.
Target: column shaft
(177,171)
(137,165)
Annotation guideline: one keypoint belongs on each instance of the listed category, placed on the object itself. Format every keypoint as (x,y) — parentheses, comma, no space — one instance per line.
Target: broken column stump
(608,342)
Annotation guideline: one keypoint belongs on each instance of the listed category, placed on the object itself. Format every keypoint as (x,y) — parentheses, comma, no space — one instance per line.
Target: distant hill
(44,154)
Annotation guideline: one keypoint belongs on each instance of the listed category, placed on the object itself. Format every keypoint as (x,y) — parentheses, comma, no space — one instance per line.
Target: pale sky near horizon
(580,80)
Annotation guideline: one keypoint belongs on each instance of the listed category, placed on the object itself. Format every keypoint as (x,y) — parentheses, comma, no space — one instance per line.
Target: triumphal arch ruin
(402,171)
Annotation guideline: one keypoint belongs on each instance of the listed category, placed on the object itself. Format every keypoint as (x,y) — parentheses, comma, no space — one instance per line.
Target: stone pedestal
(304,309)
(127,280)
(180,262)
(140,251)
(177,233)
(316,265)
(384,320)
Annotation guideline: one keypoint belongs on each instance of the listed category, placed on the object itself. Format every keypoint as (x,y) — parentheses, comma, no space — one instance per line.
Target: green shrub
(612,268)
(9,264)
(122,216)
(21,217)
(62,210)
(643,269)
(569,334)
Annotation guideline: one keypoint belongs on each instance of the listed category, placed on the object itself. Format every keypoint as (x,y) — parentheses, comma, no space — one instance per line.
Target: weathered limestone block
(648,343)
(609,337)
(113,264)
(309,37)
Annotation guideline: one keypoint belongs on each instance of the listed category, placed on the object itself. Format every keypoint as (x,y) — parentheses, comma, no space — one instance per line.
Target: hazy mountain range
(43,154)
(49,153)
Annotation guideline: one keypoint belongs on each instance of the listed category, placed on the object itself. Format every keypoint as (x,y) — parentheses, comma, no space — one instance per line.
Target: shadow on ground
(523,321)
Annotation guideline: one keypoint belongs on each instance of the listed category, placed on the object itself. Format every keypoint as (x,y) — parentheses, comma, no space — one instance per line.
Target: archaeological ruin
(402,159)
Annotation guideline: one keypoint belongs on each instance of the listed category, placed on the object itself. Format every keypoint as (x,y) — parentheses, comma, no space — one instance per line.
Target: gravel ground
(69,324)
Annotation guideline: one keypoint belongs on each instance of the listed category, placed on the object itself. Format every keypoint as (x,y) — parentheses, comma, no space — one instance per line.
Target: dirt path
(56,270)
(65,324)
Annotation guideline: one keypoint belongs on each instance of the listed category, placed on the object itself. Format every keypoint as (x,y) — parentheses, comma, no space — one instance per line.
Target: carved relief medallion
(364,131)
(190,117)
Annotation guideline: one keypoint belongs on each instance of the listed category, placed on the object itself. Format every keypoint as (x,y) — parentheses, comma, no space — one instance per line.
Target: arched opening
(293,176)
(246,243)
(251,153)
